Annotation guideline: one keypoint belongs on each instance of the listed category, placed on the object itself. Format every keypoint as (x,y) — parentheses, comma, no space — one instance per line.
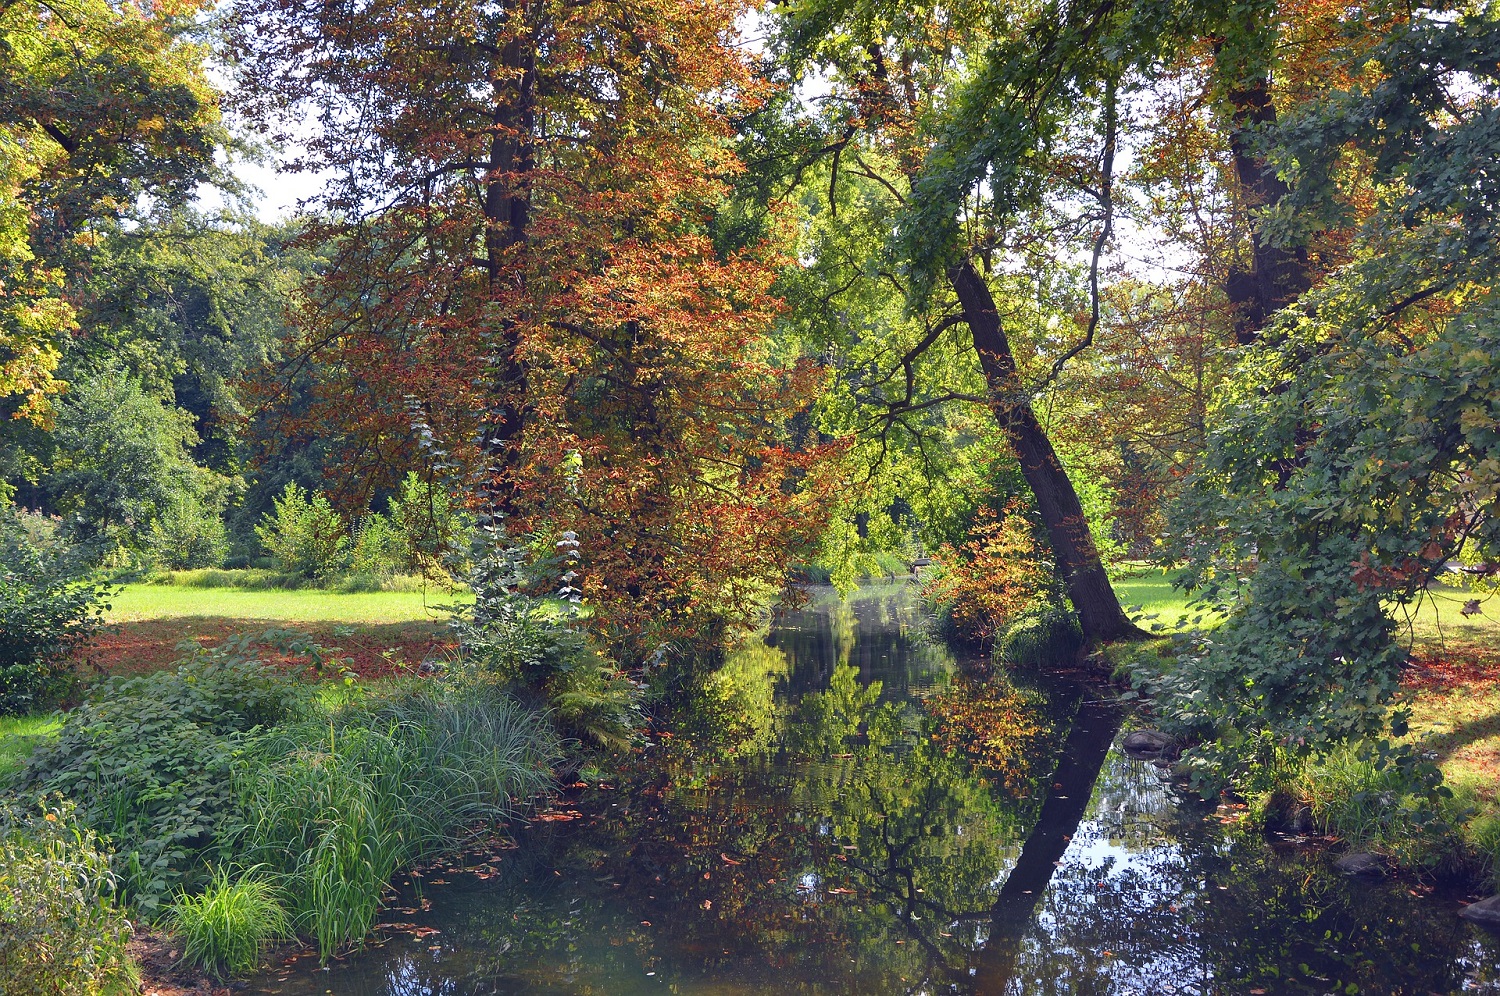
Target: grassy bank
(1454,688)
(236,803)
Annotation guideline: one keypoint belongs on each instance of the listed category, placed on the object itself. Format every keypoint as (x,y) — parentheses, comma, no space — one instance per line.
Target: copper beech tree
(518,207)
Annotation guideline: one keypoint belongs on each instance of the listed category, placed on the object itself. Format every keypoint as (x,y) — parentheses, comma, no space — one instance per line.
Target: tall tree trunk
(1078,559)
(507,214)
(1078,767)
(1277,275)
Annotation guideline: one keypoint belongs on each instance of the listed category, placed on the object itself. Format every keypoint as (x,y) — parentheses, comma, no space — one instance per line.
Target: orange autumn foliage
(523,265)
(999,572)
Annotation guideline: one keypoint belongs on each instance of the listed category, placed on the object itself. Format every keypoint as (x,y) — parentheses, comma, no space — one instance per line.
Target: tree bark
(1078,560)
(1277,275)
(507,215)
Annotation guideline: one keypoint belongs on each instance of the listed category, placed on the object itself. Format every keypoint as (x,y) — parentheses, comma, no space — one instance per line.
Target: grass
(225,928)
(19,736)
(1436,621)
(142,602)
(334,810)
(149,621)
(1152,591)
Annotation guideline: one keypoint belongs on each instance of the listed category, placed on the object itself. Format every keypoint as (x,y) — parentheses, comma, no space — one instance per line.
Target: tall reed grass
(337,808)
(225,928)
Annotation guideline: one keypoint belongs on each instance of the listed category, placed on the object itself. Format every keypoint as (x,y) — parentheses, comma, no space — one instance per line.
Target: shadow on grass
(1445,745)
(367,649)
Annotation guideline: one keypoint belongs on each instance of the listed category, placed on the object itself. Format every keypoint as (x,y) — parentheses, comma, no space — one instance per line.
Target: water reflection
(812,832)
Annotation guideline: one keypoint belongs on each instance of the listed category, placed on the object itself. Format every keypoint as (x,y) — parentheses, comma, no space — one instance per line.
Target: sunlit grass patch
(1436,621)
(19,736)
(139,602)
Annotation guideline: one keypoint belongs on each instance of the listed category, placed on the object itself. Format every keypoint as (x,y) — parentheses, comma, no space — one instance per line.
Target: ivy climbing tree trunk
(1078,560)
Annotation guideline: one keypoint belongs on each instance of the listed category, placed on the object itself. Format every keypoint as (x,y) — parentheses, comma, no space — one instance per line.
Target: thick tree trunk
(1078,559)
(1277,275)
(507,214)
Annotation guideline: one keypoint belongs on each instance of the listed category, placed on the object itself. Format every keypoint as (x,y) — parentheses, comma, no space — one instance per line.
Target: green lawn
(19,735)
(1434,621)
(140,602)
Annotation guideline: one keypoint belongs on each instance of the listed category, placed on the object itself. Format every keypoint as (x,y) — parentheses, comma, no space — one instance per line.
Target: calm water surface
(805,833)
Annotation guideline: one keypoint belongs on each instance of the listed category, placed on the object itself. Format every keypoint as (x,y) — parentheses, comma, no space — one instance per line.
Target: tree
(122,464)
(102,107)
(969,118)
(1355,449)
(521,271)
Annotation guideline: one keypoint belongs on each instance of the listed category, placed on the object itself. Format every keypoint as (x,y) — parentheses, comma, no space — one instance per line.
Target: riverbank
(1452,688)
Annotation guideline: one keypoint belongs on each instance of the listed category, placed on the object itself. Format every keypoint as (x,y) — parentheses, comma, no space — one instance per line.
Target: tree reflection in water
(811,836)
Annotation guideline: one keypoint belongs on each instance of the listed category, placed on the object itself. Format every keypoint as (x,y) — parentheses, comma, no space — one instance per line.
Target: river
(816,824)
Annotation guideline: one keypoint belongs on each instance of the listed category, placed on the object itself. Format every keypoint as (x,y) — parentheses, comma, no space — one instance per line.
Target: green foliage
(49,607)
(1042,637)
(190,532)
(535,646)
(335,809)
(434,531)
(122,464)
(304,534)
(148,760)
(60,932)
(378,556)
(1375,806)
(225,928)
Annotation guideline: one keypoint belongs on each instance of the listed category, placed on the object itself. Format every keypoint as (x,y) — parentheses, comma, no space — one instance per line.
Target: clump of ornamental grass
(225,928)
(336,809)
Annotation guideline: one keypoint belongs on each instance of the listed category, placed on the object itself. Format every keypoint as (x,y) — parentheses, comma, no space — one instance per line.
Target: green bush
(305,535)
(60,933)
(379,549)
(48,608)
(1049,635)
(1384,807)
(434,531)
(337,808)
(536,648)
(190,532)
(225,928)
(149,761)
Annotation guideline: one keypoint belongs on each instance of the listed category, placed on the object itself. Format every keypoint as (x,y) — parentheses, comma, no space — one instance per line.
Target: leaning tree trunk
(1078,560)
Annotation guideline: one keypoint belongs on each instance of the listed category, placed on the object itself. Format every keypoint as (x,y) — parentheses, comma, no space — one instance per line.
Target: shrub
(225,929)
(304,534)
(149,759)
(434,532)
(190,531)
(60,933)
(379,550)
(336,809)
(48,608)
(996,575)
(1041,636)
(535,647)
